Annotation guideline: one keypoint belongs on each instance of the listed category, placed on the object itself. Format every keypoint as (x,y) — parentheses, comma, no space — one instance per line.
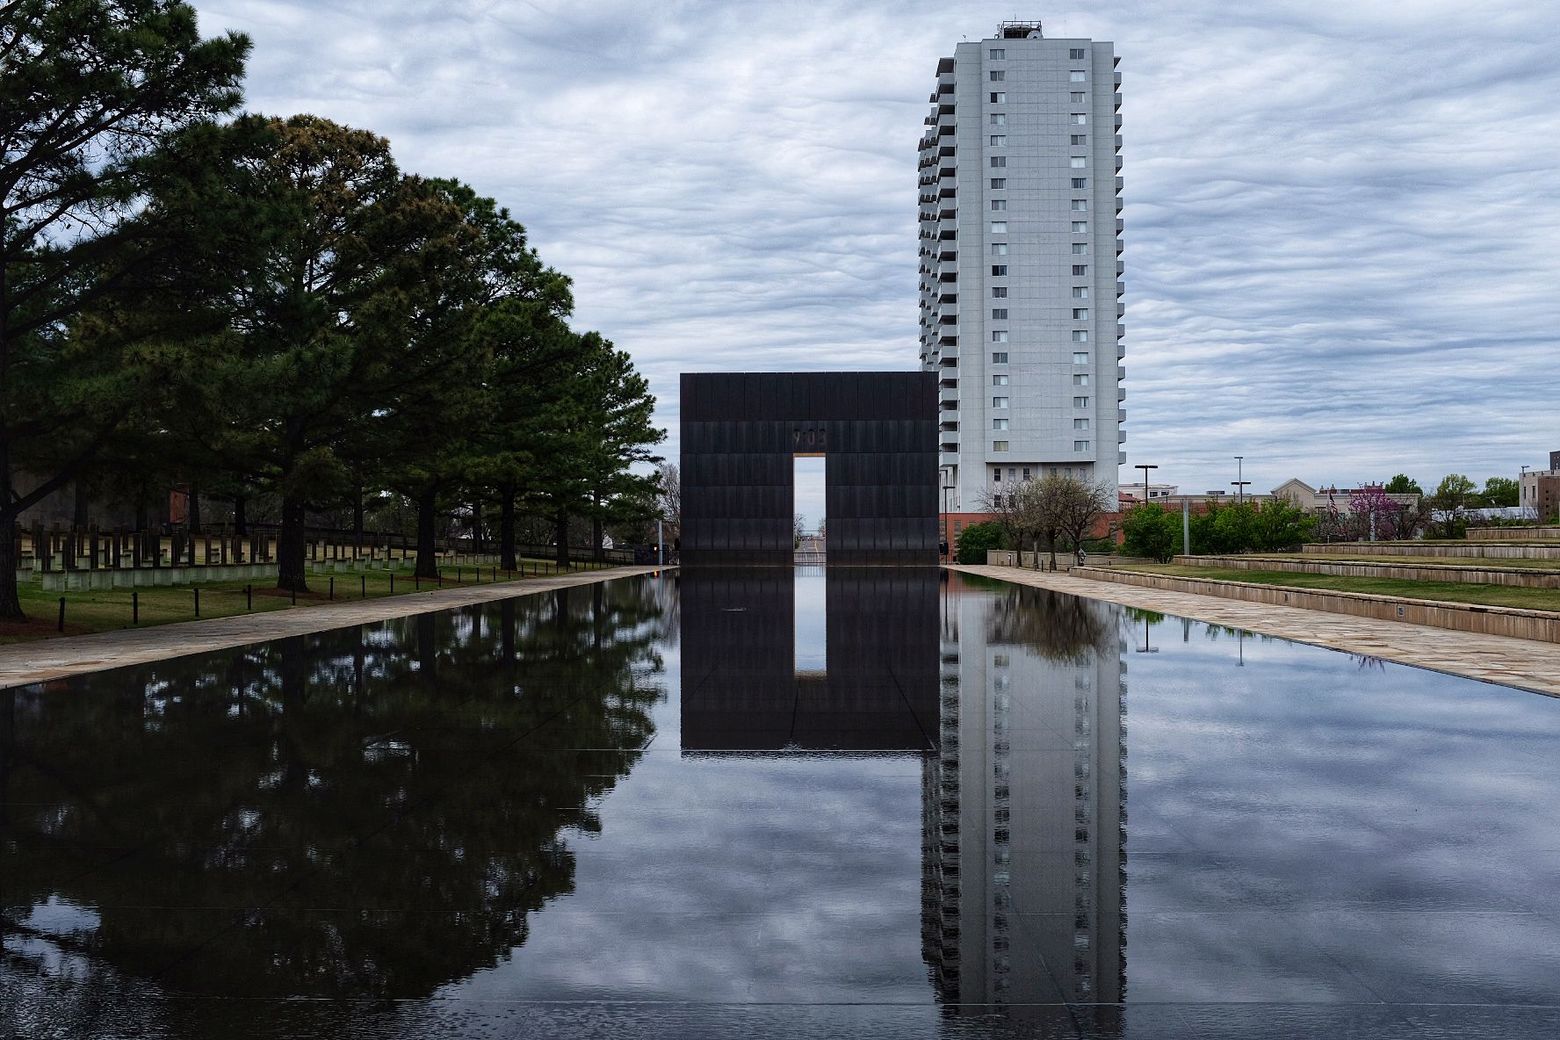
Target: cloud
(1340,233)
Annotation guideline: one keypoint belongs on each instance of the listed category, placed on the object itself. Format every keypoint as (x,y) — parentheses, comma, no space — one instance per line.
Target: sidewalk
(1524,663)
(24,663)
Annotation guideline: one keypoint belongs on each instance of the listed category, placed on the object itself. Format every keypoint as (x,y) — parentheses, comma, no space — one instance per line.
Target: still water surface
(862,803)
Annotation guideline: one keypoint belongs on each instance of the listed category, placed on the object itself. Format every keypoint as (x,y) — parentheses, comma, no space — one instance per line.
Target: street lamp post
(1145,469)
(1240,485)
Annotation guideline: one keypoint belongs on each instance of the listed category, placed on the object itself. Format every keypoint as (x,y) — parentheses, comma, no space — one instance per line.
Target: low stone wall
(1435,550)
(1490,621)
(1515,577)
(1520,534)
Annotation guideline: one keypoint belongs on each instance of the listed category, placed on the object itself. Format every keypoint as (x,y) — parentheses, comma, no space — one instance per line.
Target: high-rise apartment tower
(1020,243)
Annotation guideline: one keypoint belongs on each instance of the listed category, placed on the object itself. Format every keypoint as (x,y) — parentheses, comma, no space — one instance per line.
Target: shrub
(976,539)
(1150,531)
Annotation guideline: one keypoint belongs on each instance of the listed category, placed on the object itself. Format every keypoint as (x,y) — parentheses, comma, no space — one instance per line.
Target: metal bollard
(61,625)
(332,586)
(363,586)
(197,603)
(135,608)
(249,597)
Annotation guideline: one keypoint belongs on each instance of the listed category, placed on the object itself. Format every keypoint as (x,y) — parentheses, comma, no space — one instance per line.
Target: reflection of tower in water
(1024,810)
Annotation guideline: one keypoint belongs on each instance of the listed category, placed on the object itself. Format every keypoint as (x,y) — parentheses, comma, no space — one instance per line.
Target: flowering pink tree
(1378,516)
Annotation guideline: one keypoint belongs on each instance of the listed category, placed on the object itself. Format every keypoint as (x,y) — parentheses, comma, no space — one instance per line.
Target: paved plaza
(1523,663)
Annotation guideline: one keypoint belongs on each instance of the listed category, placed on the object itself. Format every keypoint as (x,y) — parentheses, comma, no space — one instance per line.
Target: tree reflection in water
(1060,628)
(365,812)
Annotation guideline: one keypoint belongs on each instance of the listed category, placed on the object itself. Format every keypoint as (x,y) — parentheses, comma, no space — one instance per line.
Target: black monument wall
(741,432)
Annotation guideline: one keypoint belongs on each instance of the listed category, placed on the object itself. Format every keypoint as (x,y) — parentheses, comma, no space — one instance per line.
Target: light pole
(1145,469)
(1240,485)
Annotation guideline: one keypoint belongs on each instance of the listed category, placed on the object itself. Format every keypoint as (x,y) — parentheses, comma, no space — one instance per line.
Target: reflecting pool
(842,802)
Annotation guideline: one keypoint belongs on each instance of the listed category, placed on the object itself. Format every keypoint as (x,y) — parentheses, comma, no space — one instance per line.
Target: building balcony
(948,458)
(1121,393)
(1121,372)
(1121,288)
(1121,330)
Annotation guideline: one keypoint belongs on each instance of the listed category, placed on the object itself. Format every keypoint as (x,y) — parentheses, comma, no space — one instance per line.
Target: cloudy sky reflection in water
(1341,233)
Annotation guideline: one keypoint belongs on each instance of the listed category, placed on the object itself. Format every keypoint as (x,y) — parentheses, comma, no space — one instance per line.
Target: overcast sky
(1342,220)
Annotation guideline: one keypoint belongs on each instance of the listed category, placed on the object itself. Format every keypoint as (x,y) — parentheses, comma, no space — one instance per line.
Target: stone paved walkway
(24,663)
(1524,663)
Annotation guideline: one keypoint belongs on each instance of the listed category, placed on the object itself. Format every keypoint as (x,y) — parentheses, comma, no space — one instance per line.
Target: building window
(1073,76)
(999,292)
(996,474)
(999,314)
(999,227)
(1080,424)
(1080,379)
(1080,357)
(1080,314)
(999,336)
(1080,402)
(999,357)
(1077,96)
(1080,182)
(999,205)
(1001,658)
(997,53)
(998,183)
(1000,270)
(1080,205)
(999,119)
(1080,292)
(1079,270)
(1080,335)
(999,380)
(999,140)
(1078,162)
(998,162)
(997,76)
(1080,227)
(1079,118)
(999,424)
(1075,53)
(999,97)
(1078,139)
(999,445)
(1079,249)
(999,249)
(999,402)
(1080,445)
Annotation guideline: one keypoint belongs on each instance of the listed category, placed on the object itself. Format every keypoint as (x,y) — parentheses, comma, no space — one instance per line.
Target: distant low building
(1539,493)
(1315,500)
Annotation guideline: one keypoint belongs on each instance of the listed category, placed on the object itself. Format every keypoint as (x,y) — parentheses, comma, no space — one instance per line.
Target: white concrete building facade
(1020,236)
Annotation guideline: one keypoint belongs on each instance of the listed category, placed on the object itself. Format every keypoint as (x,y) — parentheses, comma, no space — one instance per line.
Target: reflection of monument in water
(1024,830)
(1017,710)
(748,686)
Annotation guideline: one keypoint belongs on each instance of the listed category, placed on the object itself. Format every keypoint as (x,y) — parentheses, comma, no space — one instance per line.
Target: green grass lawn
(101,610)
(1444,591)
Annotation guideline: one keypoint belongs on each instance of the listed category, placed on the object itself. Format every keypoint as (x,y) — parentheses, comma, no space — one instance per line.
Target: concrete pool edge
(1526,664)
(23,664)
